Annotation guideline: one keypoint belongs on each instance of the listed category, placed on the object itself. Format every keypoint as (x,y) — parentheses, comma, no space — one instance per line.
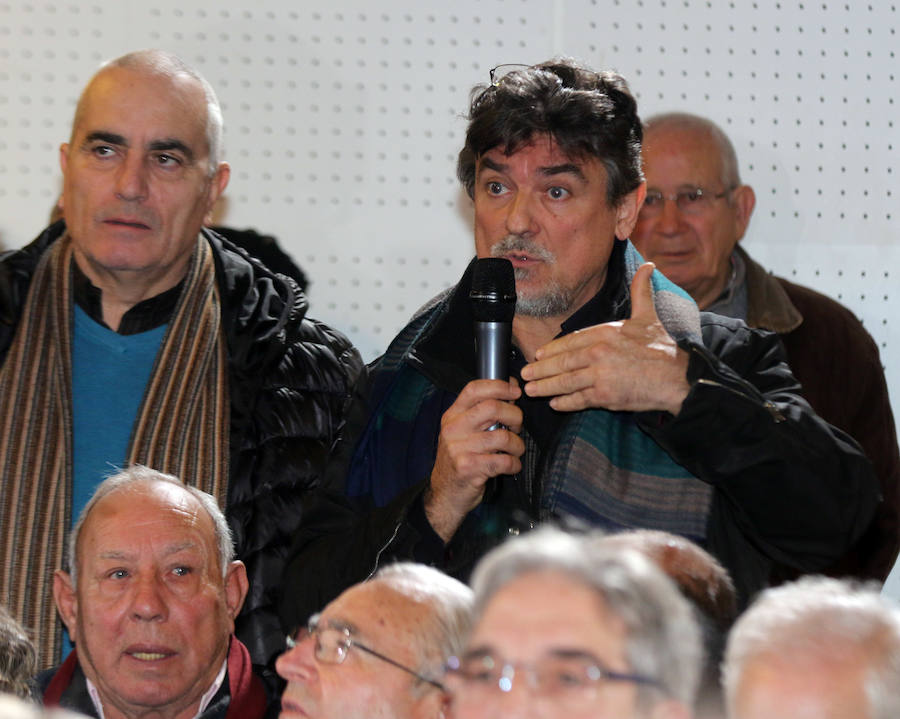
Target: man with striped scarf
(129,335)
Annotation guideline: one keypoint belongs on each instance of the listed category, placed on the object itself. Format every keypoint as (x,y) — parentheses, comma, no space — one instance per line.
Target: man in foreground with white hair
(379,649)
(565,629)
(150,601)
(815,649)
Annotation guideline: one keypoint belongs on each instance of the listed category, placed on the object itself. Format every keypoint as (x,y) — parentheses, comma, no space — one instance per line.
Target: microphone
(493,298)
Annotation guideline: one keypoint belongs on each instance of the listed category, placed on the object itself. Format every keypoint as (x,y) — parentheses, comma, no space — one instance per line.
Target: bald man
(131,334)
(696,211)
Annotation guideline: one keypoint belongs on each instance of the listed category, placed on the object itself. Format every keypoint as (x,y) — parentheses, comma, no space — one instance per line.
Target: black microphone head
(493,292)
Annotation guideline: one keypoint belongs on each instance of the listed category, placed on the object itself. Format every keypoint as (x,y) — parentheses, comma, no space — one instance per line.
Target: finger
(571,352)
(561,384)
(480,390)
(458,423)
(574,402)
(642,306)
(500,440)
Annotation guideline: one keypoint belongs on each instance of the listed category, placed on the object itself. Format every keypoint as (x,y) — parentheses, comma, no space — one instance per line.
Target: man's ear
(628,209)
(63,165)
(236,587)
(744,200)
(66,599)
(64,157)
(217,186)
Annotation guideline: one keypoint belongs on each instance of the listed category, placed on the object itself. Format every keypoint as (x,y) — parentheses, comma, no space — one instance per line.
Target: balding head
(153,612)
(706,131)
(165,65)
(696,208)
(816,648)
(400,627)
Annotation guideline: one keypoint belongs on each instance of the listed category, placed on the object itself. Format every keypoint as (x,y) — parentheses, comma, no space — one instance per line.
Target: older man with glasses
(566,628)
(379,649)
(695,214)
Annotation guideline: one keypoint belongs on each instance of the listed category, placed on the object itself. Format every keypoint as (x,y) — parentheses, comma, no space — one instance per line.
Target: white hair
(12,707)
(451,604)
(663,640)
(819,616)
(138,476)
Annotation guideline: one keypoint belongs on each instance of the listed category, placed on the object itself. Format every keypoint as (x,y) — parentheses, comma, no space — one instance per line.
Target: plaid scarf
(181,427)
(606,470)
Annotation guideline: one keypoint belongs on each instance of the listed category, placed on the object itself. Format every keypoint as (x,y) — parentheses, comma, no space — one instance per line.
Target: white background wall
(343,120)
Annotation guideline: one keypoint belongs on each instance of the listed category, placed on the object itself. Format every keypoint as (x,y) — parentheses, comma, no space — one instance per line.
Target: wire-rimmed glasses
(690,200)
(333,643)
(561,676)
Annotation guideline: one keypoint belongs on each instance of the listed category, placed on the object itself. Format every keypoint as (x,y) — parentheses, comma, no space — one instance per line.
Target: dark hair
(586,113)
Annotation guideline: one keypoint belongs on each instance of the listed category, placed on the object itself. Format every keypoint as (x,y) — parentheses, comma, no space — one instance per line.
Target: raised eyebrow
(170,144)
(489,164)
(568,168)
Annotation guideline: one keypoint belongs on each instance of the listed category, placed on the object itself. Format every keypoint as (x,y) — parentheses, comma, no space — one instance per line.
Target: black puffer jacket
(290,383)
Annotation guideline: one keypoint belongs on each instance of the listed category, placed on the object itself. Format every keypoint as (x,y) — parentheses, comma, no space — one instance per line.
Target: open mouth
(149,654)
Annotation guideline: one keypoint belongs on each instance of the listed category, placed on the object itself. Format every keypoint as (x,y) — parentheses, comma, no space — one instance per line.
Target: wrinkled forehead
(545,612)
(542,155)
(147,514)
(677,153)
(146,100)
(374,612)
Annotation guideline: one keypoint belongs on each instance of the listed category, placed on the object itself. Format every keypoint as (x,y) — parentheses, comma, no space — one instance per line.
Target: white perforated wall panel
(343,120)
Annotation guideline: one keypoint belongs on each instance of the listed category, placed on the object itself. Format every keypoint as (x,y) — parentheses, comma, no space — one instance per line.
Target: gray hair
(131,479)
(166,64)
(731,176)
(18,660)
(663,640)
(451,603)
(819,616)
(12,707)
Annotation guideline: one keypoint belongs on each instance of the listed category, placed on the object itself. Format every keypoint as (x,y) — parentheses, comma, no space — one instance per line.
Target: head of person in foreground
(564,628)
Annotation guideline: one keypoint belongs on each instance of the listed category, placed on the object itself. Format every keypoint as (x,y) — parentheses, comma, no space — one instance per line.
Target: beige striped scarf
(181,428)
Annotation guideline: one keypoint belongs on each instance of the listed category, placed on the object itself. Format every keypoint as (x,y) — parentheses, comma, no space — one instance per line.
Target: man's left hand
(630,365)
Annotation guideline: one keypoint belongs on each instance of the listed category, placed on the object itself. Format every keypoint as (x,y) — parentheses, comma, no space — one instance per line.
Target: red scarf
(248,698)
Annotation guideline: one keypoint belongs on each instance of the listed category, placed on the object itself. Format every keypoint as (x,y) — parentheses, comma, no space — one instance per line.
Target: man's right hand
(468,455)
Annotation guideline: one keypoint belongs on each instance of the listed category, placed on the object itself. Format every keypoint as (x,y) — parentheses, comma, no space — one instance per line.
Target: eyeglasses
(561,676)
(333,643)
(690,200)
(498,72)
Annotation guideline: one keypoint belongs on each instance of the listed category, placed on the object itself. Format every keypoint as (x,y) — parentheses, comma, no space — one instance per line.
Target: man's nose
(147,601)
(520,215)
(670,216)
(131,179)
(298,663)
(521,701)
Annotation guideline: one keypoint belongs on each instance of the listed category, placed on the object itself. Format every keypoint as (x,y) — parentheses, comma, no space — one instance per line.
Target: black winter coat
(290,385)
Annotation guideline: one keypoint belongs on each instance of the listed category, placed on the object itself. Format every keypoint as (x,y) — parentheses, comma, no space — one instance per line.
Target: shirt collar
(144,316)
(204,700)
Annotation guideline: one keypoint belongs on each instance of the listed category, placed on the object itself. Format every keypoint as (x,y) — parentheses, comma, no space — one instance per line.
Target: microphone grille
(493,292)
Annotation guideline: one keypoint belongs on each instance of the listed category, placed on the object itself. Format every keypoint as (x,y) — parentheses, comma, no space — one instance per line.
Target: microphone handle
(492,341)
